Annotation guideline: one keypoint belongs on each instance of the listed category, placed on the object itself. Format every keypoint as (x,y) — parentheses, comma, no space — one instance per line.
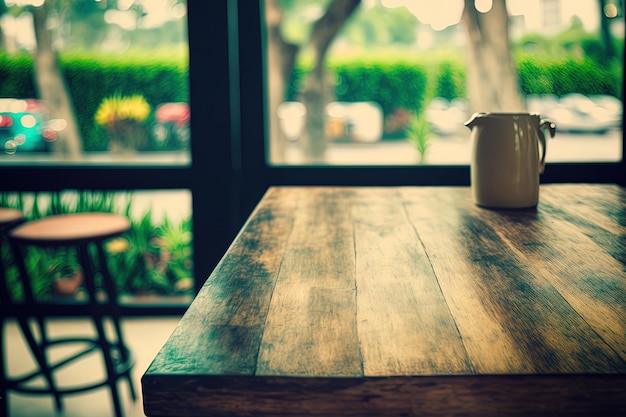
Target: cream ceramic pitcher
(508,155)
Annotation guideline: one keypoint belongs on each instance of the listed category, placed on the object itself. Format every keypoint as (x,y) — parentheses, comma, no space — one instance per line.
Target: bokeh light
(610,11)
(10,147)
(28,121)
(483,6)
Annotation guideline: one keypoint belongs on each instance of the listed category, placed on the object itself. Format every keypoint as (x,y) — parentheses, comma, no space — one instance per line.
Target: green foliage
(541,75)
(396,83)
(390,85)
(380,26)
(159,78)
(573,43)
(150,258)
(153,259)
(418,133)
(450,80)
(16,75)
(44,264)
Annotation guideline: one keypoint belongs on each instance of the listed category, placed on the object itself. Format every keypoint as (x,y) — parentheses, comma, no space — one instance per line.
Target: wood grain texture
(407,301)
(501,296)
(311,326)
(405,325)
(221,331)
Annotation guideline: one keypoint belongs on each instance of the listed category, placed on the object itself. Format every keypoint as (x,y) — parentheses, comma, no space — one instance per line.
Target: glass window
(94,95)
(391,82)
(151,264)
(95,82)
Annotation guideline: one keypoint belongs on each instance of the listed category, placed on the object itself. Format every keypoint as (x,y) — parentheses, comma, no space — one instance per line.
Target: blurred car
(23,126)
(171,129)
(360,121)
(447,118)
(577,113)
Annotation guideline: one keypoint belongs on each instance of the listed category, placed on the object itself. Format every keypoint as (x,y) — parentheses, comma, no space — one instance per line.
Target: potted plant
(418,133)
(123,118)
(67,276)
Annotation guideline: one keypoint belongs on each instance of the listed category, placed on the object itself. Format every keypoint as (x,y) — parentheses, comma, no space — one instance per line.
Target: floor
(145,336)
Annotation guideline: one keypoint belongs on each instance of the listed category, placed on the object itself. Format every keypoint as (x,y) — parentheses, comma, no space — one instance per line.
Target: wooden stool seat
(71,228)
(82,235)
(9,217)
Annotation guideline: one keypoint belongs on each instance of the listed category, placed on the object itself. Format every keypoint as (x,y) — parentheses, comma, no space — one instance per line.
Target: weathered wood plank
(311,326)
(598,210)
(588,278)
(511,320)
(221,331)
(405,325)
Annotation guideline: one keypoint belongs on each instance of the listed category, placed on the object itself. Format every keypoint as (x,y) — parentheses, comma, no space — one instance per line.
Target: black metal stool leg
(115,318)
(43,344)
(125,357)
(98,320)
(37,348)
(39,354)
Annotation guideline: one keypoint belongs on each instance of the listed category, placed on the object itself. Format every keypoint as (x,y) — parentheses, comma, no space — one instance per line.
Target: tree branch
(327,27)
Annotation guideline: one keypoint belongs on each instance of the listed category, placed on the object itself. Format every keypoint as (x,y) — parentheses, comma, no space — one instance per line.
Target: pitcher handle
(545,124)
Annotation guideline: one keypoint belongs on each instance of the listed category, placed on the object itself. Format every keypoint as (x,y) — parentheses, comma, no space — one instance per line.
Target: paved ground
(145,336)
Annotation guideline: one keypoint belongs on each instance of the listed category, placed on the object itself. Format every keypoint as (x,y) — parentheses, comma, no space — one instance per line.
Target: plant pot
(67,285)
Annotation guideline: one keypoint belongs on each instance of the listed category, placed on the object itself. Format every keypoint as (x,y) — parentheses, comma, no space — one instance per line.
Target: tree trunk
(605,32)
(492,82)
(52,88)
(318,87)
(281,57)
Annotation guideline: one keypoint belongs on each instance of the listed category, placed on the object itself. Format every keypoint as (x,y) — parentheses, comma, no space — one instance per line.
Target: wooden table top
(407,301)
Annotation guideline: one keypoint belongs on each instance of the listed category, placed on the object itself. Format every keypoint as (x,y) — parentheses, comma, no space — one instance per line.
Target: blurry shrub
(91,78)
(394,83)
(157,79)
(390,84)
(541,75)
(418,134)
(450,80)
(149,259)
(401,85)
(16,76)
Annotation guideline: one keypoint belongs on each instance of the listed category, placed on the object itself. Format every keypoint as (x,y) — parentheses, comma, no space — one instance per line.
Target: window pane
(94,82)
(153,263)
(400,78)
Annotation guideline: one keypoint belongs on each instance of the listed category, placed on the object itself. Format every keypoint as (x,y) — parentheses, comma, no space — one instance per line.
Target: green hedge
(411,84)
(16,76)
(392,83)
(157,78)
(569,75)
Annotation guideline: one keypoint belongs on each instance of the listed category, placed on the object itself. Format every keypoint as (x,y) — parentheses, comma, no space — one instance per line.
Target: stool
(82,235)
(9,218)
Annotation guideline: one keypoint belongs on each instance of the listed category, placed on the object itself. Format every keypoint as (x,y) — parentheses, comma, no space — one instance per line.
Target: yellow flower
(116,108)
(118,245)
